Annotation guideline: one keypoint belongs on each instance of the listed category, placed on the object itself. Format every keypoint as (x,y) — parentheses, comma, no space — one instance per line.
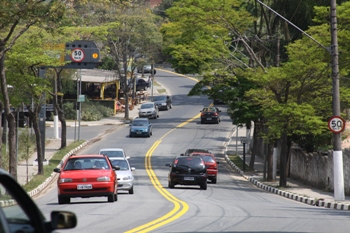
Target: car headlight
(65,180)
(127,178)
(145,130)
(103,178)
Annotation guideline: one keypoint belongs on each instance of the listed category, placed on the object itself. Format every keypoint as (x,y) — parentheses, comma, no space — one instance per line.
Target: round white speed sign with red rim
(77,55)
(336,124)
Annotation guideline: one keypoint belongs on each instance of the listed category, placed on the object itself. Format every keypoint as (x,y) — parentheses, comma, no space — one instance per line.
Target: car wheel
(110,198)
(116,197)
(204,186)
(131,191)
(202,122)
(149,134)
(130,135)
(170,184)
(218,121)
(171,106)
(213,180)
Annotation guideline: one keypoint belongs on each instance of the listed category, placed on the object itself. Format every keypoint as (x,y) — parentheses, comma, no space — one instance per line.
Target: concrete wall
(317,169)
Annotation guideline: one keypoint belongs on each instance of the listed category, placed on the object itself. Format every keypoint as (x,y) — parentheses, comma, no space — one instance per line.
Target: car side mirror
(57,170)
(133,169)
(63,220)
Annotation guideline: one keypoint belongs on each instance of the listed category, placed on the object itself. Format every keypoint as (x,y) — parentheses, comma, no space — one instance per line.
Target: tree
(16,17)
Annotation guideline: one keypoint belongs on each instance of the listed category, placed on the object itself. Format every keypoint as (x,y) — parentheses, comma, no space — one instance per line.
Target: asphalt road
(231,205)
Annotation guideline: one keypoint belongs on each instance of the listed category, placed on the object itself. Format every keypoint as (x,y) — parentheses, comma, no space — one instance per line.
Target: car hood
(89,173)
(146,109)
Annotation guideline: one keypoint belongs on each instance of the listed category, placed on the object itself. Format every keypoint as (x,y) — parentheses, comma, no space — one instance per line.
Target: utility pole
(337,149)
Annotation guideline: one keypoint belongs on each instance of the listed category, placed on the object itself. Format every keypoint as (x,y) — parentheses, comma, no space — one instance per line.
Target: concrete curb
(293,196)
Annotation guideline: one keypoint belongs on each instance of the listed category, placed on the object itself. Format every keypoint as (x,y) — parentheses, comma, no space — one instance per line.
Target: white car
(124,174)
(149,110)
(113,153)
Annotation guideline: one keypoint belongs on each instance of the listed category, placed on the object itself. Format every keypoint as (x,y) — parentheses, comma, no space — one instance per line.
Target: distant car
(210,114)
(141,84)
(163,101)
(25,216)
(124,174)
(189,151)
(210,163)
(87,176)
(187,170)
(149,110)
(146,69)
(113,153)
(140,127)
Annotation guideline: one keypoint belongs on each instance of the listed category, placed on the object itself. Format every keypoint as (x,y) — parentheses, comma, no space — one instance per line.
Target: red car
(87,176)
(210,163)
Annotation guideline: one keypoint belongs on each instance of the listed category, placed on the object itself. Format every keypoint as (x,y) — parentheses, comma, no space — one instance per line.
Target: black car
(187,170)
(25,216)
(190,151)
(210,114)
(163,102)
(141,84)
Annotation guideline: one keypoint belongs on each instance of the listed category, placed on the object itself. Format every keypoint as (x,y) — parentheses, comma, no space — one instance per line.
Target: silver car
(124,174)
(113,153)
(149,110)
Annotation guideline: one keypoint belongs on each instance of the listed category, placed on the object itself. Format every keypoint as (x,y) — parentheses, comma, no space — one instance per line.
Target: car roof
(111,149)
(87,156)
(201,153)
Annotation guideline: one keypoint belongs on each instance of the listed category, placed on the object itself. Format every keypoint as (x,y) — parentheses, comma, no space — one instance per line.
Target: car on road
(146,69)
(113,153)
(124,174)
(187,170)
(210,114)
(87,176)
(189,151)
(140,127)
(149,110)
(24,215)
(141,84)
(163,102)
(210,163)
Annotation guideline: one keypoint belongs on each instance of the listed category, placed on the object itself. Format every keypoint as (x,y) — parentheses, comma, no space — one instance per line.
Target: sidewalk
(295,190)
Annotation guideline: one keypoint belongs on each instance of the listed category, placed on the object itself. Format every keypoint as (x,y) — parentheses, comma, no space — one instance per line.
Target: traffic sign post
(243,141)
(336,124)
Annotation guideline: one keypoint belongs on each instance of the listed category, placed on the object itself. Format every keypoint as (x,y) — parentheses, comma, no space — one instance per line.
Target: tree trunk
(1,132)
(12,139)
(34,115)
(283,160)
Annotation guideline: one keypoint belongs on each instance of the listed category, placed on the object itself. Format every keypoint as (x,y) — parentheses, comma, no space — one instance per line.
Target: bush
(89,111)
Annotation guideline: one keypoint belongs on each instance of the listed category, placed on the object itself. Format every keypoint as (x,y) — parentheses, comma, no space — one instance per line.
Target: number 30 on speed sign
(336,124)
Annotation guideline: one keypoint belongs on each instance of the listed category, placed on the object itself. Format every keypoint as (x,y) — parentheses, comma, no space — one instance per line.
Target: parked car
(163,101)
(141,84)
(149,110)
(124,174)
(146,69)
(187,170)
(140,127)
(210,163)
(26,216)
(210,114)
(113,153)
(87,176)
(189,151)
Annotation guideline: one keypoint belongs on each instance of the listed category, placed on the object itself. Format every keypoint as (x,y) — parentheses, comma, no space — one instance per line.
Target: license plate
(188,178)
(84,186)
(209,118)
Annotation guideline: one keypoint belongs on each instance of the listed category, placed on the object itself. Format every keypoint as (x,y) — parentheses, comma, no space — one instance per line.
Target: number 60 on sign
(336,124)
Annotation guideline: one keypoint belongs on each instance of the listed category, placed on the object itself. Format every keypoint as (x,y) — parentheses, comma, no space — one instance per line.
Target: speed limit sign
(77,55)
(336,124)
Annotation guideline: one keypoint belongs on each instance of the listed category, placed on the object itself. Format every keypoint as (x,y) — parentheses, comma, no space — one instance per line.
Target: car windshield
(86,164)
(113,153)
(159,98)
(145,106)
(139,123)
(189,162)
(124,166)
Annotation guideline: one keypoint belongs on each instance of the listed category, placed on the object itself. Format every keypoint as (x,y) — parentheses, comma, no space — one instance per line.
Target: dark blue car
(140,127)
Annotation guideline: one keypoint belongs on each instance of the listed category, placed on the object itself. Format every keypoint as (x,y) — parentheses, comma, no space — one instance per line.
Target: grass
(238,162)
(48,169)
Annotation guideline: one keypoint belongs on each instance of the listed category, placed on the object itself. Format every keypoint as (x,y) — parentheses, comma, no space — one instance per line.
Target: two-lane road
(231,205)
